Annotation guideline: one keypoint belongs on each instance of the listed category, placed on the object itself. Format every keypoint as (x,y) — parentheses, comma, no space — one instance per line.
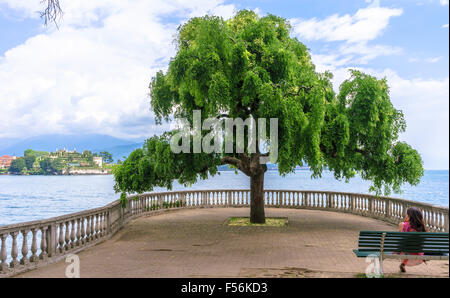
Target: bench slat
(402,244)
(431,244)
(406,233)
(406,246)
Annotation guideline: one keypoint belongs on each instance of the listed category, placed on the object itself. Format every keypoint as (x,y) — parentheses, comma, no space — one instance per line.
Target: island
(60,162)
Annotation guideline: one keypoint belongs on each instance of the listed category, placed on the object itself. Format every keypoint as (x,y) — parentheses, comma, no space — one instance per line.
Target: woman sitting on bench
(413,223)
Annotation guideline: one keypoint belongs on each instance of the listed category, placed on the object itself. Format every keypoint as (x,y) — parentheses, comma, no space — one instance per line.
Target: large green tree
(30,158)
(18,165)
(250,66)
(51,166)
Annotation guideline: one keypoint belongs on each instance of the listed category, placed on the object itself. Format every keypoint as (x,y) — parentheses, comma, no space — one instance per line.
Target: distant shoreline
(109,173)
(65,174)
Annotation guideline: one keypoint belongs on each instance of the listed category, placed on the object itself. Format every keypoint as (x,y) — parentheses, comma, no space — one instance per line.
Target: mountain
(6,142)
(93,142)
(118,152)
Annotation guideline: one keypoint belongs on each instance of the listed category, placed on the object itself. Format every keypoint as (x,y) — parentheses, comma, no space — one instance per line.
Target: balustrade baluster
(78,234)
(72,234)
(100,217)
(446,222)
(96,226)
(433,219)
(14,250)
(43,255)
(34,257)
(24,260)
(92,229)
(61,238)
(67,237)
(107,222)
(83,231)
(88,228)
(3,254)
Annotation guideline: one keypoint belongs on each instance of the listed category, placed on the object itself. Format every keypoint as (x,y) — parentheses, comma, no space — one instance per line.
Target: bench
(387,245)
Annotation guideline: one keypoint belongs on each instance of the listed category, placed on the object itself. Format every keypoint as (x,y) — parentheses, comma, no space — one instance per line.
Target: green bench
(387,245)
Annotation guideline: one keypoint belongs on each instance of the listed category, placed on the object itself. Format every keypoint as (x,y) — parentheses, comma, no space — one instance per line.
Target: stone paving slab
(198,243)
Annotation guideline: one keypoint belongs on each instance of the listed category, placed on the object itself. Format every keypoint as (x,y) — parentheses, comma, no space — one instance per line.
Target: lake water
(26,198)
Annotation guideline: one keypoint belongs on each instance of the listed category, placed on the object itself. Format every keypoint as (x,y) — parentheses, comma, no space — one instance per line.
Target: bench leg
(381,266)
(378,266)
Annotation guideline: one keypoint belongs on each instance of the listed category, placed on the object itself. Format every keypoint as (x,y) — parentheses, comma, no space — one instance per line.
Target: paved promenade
(197,243)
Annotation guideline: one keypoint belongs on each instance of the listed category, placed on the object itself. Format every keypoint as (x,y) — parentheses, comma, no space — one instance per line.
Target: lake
(26,198)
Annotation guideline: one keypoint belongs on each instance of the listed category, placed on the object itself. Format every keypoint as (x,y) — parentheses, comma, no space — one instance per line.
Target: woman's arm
(400,227)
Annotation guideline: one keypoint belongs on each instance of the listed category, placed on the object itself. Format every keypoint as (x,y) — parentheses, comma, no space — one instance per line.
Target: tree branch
(52,12)
(237,163)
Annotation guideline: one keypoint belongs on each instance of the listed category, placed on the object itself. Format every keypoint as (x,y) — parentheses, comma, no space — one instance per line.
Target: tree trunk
(257,199)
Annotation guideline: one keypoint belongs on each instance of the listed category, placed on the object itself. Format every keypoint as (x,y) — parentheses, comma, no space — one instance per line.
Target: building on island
(98,160)
(5,161)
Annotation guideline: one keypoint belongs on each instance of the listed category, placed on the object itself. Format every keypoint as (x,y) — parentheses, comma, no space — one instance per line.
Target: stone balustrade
(45,241)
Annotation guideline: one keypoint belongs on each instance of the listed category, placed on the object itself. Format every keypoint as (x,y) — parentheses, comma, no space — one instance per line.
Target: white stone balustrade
(25,246)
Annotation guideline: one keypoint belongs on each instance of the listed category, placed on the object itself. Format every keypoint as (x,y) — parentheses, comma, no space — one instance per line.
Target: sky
(92,74)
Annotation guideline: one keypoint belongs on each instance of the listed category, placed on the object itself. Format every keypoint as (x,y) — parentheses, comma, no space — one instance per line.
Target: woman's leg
(402,265)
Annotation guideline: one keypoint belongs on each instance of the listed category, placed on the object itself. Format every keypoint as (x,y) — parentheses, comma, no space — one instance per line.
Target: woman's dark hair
(416,219)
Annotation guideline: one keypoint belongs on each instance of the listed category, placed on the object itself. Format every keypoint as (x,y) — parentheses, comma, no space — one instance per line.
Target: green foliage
(29,161)
(38,154)
(123,199)
(51,166)
(362,136)
(17,165)
(106,157)
(156,165)
(249,66)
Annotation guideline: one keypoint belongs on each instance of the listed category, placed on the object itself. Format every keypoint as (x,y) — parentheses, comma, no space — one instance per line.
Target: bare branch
(52,12)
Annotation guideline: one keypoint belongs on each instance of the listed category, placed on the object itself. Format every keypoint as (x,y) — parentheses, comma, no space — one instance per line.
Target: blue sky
(91,75)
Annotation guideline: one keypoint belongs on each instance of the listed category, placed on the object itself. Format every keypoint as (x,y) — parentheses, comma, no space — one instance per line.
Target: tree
(46,165)
(29,161)
(28,152)
(251,67)
(17,165)
(51,166)
(30,158)
(106,157)
(87,155)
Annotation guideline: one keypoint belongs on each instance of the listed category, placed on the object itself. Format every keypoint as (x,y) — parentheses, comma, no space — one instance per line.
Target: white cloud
(352,33)
(428,60)
(364,53)
(433,59)
(443,2)
(92,75)
(366,24)
(445,26)
(425,105)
